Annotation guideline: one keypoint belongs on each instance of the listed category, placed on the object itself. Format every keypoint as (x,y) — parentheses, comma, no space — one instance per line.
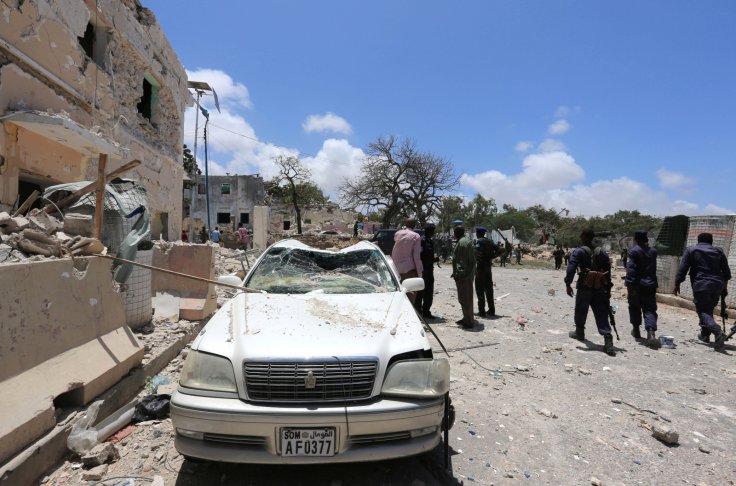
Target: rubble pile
(39,235)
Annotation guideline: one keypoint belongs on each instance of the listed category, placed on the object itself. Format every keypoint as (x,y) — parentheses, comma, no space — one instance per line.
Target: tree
(309,193)
(399,181)
(480,211)
(190,164)
(525,226)
(449,209)
(292,173)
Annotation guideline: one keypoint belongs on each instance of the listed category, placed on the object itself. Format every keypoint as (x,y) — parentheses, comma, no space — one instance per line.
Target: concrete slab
(166,307)
(75,377)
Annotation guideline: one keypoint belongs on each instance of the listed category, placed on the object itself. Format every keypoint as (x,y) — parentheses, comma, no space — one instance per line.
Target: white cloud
(552,145)
(674,180)
(329,122)
(717,210)
(229,92)
(554,179)
(523,146)
(336,160)
(559,127)
(562,111)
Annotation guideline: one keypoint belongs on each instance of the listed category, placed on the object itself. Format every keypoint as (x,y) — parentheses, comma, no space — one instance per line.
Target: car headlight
(420,378)
(207,372)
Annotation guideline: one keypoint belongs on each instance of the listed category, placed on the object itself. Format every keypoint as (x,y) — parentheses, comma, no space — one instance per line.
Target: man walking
(485,252)
(406,253)
(709,275)
(463,271)
(593,286)
(641,286)
(518,254)
(558,254)
(243,237)
(425,297)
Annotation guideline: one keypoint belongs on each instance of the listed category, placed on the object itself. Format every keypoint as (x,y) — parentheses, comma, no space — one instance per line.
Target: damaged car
(320,359)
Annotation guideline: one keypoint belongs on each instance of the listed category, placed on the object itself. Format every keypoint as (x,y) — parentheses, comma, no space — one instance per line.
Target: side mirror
(230,280)
(413,284)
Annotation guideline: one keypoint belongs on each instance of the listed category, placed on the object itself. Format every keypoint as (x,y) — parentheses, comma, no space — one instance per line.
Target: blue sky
(590,105)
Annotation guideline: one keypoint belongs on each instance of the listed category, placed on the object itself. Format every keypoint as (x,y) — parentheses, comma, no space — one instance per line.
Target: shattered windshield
(300,271)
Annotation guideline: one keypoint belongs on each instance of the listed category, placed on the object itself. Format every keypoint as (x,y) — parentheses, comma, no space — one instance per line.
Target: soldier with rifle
(593,289)
(485,251)
(709,275)
(641,285)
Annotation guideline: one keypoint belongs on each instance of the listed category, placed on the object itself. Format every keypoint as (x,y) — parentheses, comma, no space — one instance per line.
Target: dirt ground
(532,405)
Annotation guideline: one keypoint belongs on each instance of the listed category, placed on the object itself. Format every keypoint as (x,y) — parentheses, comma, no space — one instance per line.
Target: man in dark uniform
(426,296)
(625,255)
(518,254)
(709,275)
(463,271)
(641,286)
(593,286)
(558,254)
(485,251)
(509,249)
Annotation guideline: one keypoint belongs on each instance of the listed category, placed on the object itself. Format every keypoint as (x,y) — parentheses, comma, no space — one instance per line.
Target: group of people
(707,266)
(245,239)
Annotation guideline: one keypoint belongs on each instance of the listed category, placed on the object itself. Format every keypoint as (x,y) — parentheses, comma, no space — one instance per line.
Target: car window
(299,271)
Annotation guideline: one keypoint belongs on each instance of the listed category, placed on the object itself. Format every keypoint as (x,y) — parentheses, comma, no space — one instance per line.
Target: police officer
(558,254)
(485,251)
(709,275)
(425,298)
(641,286)
(593,286)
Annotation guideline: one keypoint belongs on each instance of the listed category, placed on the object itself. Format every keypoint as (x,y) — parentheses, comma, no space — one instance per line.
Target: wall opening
(245,218)
(287,225)
(94,43)
(225,189)
(149,99)
(201,188)
(223,218)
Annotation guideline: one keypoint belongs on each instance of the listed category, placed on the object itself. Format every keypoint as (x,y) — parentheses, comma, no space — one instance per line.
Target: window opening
(287,225)
(201,188)
(245,218)
(225,189)
(223,218)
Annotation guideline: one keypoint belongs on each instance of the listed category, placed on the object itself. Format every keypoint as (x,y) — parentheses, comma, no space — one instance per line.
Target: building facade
(232,199)
(80,78)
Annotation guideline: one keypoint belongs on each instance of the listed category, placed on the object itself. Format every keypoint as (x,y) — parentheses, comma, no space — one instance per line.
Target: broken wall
(44,67)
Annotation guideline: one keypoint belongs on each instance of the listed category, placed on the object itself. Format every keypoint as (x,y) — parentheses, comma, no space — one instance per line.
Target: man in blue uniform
(593,288)
(641,285)
(485,251)
(709,275)
(423,304)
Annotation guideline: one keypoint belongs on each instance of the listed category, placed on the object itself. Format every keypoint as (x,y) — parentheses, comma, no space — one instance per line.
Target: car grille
(287,381)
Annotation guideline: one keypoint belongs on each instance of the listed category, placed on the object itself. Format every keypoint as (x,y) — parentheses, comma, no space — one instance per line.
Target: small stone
(158,481)
(522,368)
(546,413)
(45,480)
(95,474)
(594,481)
(584,371)
(606,368)
(666,434)
(616,400)
(704,449)
(508,475)
(545,349)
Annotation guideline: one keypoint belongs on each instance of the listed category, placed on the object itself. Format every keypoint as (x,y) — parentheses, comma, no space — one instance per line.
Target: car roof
(362,245)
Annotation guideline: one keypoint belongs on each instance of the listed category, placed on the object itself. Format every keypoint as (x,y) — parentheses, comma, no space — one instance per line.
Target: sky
(586,105)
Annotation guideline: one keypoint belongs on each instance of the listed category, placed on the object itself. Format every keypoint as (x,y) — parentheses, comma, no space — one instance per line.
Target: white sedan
(322,360)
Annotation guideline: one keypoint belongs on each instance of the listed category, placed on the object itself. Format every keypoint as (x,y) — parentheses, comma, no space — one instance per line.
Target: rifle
(611,313)
(724,312)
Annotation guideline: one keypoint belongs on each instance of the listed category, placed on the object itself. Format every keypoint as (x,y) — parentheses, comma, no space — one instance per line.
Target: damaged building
(83,78)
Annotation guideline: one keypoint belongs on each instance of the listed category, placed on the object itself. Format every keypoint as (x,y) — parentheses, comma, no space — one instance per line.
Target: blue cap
(481,230)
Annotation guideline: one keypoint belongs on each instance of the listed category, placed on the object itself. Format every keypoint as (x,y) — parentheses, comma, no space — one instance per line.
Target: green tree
(190,164)
(480,212)
(291,174)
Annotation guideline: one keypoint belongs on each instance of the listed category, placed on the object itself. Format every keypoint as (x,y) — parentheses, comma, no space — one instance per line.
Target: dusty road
(532,405)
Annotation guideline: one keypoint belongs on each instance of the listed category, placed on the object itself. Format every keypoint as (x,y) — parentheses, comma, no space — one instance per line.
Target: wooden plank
(50,208)
(27,203)
(100,195)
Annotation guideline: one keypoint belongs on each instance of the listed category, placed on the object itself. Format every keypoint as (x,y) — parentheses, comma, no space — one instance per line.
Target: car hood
(254,326)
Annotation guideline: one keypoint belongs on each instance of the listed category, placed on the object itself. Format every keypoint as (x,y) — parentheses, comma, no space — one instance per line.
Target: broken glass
(300,271)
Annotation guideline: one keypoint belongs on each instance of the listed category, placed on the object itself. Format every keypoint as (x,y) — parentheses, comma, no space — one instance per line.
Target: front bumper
(230,430)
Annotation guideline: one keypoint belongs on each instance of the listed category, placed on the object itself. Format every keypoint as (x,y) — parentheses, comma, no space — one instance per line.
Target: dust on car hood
(291,326)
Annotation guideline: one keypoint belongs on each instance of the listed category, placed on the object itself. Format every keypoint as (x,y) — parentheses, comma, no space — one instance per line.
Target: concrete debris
(158,481)
(105,453)
(594,481)
(95,474)
(39,234)
(666,434)
(546,413)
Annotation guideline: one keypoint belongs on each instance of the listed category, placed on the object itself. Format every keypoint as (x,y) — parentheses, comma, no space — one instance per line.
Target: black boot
(578,333)
(652,340)
(636,332)
(704,335)
(608,345)
(491,311)
(720,343)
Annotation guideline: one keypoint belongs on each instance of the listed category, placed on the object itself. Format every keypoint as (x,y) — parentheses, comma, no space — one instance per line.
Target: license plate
(308,442)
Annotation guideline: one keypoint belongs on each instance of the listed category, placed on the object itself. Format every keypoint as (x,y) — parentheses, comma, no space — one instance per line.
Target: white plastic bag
(83,436)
